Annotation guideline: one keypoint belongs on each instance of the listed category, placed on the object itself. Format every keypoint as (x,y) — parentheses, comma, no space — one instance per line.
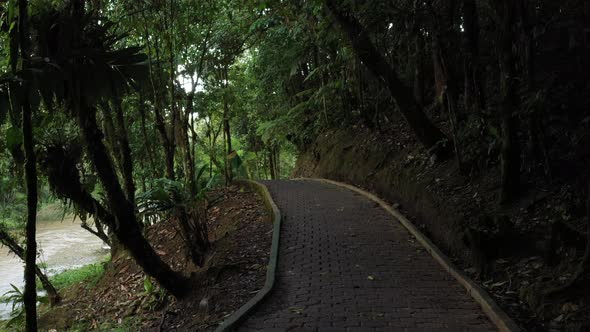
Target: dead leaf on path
(296,310)
(569,307)
(498,284)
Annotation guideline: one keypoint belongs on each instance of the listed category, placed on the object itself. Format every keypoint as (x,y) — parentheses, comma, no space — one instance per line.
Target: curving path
(346,265)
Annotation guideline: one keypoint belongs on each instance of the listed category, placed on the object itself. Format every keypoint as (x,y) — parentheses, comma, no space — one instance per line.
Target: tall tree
(510,150)
(472,94)
(426,132)
(75,70)
(30,293)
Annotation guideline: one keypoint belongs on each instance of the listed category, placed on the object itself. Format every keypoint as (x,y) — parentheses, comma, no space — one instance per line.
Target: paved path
(347,265)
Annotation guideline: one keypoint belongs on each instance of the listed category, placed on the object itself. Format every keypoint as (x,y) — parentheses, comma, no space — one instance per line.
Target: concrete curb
(498,317)
(231,323)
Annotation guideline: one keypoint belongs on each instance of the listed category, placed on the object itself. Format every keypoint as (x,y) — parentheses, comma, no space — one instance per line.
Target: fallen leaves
(296,310)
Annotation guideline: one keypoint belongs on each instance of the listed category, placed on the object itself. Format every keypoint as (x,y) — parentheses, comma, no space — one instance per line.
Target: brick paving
(346,265)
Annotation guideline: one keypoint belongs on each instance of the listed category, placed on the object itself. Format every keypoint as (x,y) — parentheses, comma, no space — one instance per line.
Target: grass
(89,274)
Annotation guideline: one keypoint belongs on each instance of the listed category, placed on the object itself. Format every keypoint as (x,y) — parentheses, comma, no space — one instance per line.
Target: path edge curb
(498,317)
(238,316)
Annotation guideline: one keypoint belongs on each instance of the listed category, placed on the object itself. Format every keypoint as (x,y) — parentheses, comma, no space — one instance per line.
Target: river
(62,245)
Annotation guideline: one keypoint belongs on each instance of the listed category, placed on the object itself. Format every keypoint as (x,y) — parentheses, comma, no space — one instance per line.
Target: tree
(79,57)
(30,293)
(472,94)
(428,134)
(510,151)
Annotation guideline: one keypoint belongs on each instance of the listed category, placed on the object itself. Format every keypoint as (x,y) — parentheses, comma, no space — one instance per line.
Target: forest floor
(240,232)
(516,252)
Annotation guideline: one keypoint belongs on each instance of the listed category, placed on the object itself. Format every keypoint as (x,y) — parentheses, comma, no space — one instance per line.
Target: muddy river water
(62,245)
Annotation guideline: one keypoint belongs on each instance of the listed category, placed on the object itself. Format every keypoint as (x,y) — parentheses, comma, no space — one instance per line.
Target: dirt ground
(240,232)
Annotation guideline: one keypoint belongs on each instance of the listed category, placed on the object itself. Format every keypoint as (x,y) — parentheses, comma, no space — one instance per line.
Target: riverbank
(63,245)
(87,275)
(124,299)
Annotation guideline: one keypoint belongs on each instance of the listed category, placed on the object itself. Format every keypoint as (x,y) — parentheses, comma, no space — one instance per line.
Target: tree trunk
(147,141)
(189,162)
(448,91)
(510,150)
(227,132)
(12,244)
(210,148)
(167,142)
(126,227)
(438,71)
(194,233)
(110,134)
(419,69)
(126,160)
(30,293)
(271,164)
(278,161)
(537,143)
(169,27)
(99,232)
(473,96)
(426,132)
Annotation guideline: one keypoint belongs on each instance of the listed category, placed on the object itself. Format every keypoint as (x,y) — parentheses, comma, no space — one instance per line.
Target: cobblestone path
(346,265)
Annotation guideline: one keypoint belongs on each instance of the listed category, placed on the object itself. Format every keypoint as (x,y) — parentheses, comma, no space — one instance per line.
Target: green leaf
(148,286)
